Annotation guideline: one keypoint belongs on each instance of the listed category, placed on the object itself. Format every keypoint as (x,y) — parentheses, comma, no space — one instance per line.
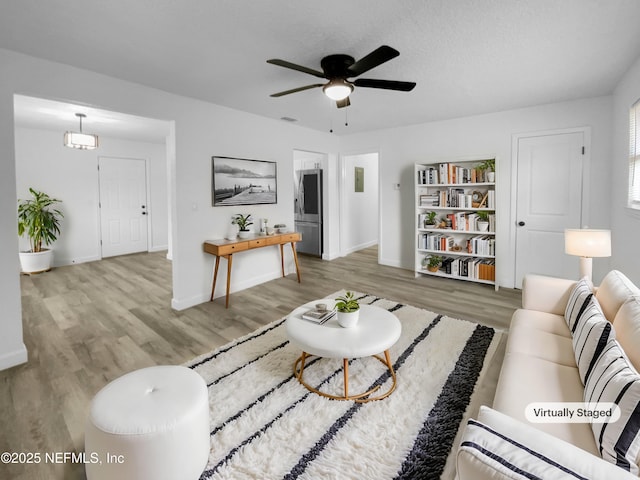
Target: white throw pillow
(613,379)
(591,333)
(578,300)
(627,325)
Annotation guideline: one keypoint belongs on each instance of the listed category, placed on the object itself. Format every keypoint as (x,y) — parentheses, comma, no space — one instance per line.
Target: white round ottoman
(152,423)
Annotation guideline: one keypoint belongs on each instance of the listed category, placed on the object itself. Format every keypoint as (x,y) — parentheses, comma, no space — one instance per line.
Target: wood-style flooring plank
(87,324)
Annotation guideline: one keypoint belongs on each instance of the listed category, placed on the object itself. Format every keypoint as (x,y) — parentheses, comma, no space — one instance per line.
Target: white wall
(42,162)
(201,130)
(478,135)
(625,222)
(360,209)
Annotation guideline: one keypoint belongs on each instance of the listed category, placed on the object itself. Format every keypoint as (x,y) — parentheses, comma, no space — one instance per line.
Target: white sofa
(540,366)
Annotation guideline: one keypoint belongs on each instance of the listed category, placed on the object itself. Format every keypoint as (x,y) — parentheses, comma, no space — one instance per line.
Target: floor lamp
(587,243)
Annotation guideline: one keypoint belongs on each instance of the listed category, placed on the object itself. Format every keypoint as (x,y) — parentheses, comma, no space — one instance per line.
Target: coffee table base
(360,397)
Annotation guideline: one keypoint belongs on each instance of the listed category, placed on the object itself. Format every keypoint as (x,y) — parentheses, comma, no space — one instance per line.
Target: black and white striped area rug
(265,425)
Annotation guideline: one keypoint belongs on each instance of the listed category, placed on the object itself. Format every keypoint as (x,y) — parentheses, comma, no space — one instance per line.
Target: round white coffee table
(376,332)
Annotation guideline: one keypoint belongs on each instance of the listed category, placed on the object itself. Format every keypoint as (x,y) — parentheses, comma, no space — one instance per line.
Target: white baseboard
(360,247)
(393,263)
(202,297)
(160,248)
(11,359)
(61,262)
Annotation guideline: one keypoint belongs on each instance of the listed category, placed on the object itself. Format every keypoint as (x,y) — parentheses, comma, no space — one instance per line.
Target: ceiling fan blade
(294,90)
(293,66)
(375,58)
(343,103)
(386,84)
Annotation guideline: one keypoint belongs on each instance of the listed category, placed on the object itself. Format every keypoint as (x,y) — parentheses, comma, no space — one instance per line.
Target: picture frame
(242,181)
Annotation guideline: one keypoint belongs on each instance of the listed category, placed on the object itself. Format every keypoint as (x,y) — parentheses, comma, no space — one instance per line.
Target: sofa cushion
(591,333)
(499,447)
(525,379)
(614,380)
(541,344)
(579,299)
(614,290)
(546,322)
(627,325)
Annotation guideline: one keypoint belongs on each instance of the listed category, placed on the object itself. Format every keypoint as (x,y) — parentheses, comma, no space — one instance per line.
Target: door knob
(521,223)
(144,206)
(144,213)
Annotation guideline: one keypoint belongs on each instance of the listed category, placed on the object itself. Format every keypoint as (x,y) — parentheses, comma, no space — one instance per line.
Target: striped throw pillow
(591,332)
(613,379)
(579,299)
(500,447)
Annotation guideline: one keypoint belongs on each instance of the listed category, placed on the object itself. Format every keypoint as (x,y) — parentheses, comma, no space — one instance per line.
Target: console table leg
(229,257)
(295,259)
(215,277)
(282,257)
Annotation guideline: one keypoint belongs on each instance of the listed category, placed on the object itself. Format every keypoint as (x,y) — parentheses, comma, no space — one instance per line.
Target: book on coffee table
(318,316)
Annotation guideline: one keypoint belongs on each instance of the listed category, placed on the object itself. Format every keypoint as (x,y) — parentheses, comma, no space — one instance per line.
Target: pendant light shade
(80,140)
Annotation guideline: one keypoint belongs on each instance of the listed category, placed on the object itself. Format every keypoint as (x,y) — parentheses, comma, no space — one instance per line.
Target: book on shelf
(318,316)
(469,267)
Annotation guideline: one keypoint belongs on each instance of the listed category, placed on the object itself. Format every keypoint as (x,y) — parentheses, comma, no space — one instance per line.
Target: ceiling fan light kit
(338,89)
(339,68)
(80,140)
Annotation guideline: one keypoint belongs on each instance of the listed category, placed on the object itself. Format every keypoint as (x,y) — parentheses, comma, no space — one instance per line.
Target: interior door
(549,199)
(123,205)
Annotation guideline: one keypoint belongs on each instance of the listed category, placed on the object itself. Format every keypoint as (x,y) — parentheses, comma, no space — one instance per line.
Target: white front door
(549,199)
(123,205)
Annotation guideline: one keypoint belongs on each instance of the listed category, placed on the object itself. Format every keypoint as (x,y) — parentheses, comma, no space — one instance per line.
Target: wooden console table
(226,249)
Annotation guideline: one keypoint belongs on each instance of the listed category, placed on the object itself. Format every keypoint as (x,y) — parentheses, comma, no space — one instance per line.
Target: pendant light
(80,140)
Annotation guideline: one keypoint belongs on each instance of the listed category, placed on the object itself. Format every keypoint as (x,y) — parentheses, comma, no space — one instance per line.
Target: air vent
(289,119)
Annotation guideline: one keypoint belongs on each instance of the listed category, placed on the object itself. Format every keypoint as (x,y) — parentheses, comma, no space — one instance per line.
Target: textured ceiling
(467,56)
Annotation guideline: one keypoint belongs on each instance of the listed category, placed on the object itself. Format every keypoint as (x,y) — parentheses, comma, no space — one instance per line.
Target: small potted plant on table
(348,310)
(242,221)
(41,222)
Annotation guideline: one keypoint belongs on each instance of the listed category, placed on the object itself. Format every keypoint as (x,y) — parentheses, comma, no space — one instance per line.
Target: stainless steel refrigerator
(308,211)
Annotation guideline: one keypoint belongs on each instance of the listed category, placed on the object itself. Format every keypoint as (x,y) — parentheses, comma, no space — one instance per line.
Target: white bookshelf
(460,193)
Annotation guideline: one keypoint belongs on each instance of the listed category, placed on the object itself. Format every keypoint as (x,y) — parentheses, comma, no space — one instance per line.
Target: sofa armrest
(497,446)
(546,294)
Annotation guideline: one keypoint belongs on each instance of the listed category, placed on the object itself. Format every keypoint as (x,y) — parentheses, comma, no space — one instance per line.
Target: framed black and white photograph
(238,181)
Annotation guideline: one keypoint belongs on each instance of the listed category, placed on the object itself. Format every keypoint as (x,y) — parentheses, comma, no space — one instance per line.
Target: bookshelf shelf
(459,193)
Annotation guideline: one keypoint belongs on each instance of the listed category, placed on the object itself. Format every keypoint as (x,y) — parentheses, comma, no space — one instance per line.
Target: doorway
(549,199)
(360,215)
(124,212)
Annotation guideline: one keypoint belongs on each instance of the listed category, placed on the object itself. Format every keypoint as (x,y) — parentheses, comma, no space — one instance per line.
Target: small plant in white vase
(348,310)
(242,221)
(483,221)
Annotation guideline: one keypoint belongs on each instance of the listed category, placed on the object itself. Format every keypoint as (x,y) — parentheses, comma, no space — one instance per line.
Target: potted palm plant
(40,220)
(348,310)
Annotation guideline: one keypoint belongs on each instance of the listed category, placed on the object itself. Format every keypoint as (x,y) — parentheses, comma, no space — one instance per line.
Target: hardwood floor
(87,324)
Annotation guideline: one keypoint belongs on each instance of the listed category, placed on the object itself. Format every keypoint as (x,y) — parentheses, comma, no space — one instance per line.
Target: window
(634,156)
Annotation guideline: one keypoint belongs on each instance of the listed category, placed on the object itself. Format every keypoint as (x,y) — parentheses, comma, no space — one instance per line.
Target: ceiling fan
(339,68)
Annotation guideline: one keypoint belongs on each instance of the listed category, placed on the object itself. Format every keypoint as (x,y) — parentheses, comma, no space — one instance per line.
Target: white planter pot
(348,319)
(244,233)
(483,226)
(36,262)
(491,177)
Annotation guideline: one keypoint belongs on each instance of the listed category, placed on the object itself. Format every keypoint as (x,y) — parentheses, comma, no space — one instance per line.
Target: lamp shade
(587,242)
